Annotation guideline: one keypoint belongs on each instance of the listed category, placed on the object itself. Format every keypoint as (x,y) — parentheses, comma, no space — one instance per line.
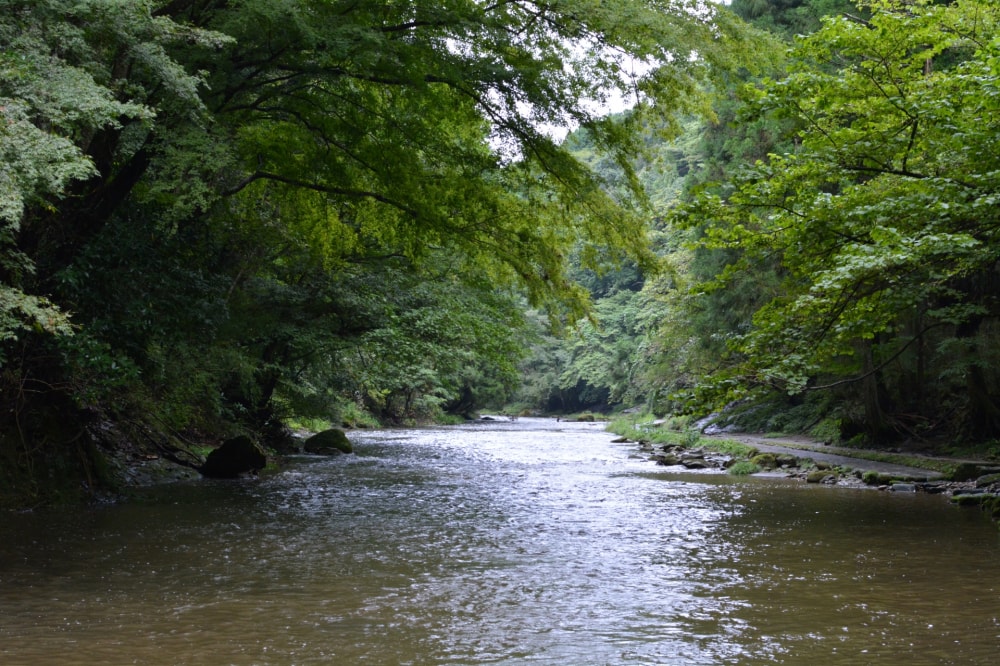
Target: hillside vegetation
(829,241)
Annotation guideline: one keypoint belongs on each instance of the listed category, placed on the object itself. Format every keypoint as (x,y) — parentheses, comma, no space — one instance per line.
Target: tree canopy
(205,205)
(830,236)
(881,219)
(400,125)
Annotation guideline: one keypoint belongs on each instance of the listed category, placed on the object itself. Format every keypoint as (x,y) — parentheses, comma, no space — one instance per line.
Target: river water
(533,542)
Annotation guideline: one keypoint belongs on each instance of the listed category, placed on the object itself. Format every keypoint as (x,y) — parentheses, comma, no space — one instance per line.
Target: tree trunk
(873,393)
(982,420)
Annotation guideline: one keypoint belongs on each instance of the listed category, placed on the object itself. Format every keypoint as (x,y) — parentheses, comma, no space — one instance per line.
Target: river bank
(965,481)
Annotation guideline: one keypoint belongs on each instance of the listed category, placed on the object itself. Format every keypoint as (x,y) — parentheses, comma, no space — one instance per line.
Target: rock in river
(328,443)
(236,457)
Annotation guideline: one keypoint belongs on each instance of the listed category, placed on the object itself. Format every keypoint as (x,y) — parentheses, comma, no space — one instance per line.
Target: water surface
(532,542)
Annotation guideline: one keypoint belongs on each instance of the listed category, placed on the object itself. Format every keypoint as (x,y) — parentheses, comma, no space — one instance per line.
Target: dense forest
(829,241)
(219,216)
(224,218)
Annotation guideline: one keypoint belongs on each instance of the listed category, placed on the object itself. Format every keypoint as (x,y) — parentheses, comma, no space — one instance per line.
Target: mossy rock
(989,503)
(819,475)
(786,460)
(966,472)
(873,478)
(765,460)
(328,442)
(992,506)
(987,480)
(970,499)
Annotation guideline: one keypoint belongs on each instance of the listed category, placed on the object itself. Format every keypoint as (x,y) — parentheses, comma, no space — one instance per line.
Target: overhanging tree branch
(319,187)
(880,366)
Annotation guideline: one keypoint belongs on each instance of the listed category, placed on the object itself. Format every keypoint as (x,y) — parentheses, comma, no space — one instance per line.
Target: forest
(223,218)
(828,241)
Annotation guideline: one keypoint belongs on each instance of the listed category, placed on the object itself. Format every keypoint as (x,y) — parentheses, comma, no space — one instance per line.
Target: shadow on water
(528,542)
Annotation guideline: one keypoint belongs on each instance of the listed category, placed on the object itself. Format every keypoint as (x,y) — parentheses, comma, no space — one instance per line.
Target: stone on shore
(821,476)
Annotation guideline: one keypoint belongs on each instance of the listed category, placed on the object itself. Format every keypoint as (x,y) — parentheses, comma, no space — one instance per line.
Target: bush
(827,431)
(743,468)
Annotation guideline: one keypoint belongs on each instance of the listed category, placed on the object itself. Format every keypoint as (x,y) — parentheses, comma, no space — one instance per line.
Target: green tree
(198,182)
(416,123)
(789,18)
(54,101)
(883,219)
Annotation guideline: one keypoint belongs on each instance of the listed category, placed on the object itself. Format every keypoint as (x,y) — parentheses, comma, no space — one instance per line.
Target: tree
(384,110)
(52,105)
(175,165)
(883,218)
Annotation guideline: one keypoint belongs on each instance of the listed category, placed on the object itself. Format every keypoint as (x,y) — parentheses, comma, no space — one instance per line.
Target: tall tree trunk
(982,420)
(873,393)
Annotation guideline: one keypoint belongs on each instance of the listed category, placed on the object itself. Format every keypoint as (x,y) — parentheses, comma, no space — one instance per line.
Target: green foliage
(432,344)
(832,268)
(882,218)
(828,431)
(603,354)
(743,468)
(45,100)
(622,422)
(637,347)
(256,206)
(427,141)
(601,362)
(790,17)
(873,478)
(640,428)
(541,368)
(729,447)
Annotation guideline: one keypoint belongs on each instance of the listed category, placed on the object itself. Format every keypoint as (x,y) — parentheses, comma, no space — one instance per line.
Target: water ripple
(507,543)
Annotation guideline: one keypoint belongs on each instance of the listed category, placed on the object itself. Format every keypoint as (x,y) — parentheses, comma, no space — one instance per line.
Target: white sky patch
(620,95)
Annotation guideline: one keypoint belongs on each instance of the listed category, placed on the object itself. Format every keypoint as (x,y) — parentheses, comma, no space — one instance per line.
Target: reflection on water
(532,542)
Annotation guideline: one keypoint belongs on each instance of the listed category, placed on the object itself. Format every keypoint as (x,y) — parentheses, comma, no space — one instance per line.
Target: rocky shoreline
(973,483)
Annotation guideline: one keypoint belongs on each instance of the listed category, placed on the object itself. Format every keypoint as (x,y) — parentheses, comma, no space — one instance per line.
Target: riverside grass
(647,428)
(676,431)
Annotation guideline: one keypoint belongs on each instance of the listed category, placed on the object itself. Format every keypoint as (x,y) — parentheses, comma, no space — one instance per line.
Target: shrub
(743,468)
(827,431)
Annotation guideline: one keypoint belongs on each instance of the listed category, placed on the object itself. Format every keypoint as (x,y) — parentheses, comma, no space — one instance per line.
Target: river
(527,542)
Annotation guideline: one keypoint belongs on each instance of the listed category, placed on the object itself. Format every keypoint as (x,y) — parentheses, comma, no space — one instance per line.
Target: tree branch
(880,366)
(318,187)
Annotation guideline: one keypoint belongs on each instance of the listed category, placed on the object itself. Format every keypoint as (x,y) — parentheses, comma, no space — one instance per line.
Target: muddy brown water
(531,542)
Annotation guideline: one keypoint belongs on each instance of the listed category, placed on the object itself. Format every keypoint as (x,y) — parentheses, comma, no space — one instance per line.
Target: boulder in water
(236,457)
(328,443)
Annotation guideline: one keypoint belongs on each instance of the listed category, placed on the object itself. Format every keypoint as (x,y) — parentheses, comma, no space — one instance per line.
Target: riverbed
(527,542)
